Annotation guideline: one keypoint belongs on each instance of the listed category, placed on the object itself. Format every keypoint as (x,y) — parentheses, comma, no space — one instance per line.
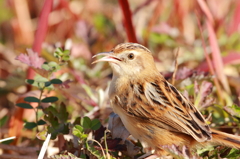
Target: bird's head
(128,59)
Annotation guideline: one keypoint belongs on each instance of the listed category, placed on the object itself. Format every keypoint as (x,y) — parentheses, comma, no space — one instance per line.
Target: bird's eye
(131,56)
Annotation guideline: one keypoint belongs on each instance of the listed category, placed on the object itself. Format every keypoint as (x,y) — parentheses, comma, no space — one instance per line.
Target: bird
(152,109)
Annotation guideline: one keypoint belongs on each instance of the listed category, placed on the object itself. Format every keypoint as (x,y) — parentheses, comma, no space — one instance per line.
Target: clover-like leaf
(50,99)
(45,67)
(47,83)
(80,135)
(29,81)
(56,81)
(31,99)
(96,124)
(86,122)
(65,58)
(30,125)
(24,105)
(41,122)
(53,66)
(77,130)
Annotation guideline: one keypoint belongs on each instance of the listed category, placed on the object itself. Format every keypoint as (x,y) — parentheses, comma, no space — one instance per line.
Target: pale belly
(135,128)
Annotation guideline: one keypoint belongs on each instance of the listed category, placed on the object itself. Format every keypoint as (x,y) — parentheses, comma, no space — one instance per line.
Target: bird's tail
(229,140)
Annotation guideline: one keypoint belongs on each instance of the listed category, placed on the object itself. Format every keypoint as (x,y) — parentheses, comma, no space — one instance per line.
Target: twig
(104,155)
(6,139)
(105,141)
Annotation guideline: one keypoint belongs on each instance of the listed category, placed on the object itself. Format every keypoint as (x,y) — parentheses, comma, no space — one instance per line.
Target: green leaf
(234,110)
(52,110)
(50,99)
(57,129)
(41,122)
(96,124)
(31,99)
(45,67)
(8,142)
(79,128)
(30,125)
(64,128)
(77,121)
(86,122)
(77,131)
(42,135)
(39,78)
(29,81)
(51,119)
(39,81)
(84,136)
(53,66)
(66,52)
(65,58)
(24,105)
(234,153)
(40,85)
(53,132)
(56,81)
(47,83)
(58,52)
(63,116)
(3,121)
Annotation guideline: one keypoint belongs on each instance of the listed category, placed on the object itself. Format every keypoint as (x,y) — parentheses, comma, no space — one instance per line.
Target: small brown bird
(152,109)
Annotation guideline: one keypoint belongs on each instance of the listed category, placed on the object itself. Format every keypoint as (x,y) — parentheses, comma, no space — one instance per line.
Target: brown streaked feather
(129,46)
(171,110)
(225,139)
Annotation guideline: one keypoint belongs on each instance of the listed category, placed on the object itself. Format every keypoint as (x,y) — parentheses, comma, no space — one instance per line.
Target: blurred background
(204,34)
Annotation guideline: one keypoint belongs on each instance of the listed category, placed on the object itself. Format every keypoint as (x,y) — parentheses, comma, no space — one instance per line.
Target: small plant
(80,131)
(56,118)
(44,82)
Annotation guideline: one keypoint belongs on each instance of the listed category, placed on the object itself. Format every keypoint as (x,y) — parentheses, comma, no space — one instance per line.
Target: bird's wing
(162,104)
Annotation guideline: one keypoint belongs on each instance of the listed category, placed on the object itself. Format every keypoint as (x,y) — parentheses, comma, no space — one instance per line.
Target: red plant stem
(127,18)
(42,26)
(206,11)
(216,55)
(41,32)
(209,62)
(236,20)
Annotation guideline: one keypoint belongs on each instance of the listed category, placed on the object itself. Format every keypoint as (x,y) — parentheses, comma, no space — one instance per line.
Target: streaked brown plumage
(152,109)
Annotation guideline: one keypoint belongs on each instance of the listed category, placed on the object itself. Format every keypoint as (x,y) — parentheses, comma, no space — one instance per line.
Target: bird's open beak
(108,56)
